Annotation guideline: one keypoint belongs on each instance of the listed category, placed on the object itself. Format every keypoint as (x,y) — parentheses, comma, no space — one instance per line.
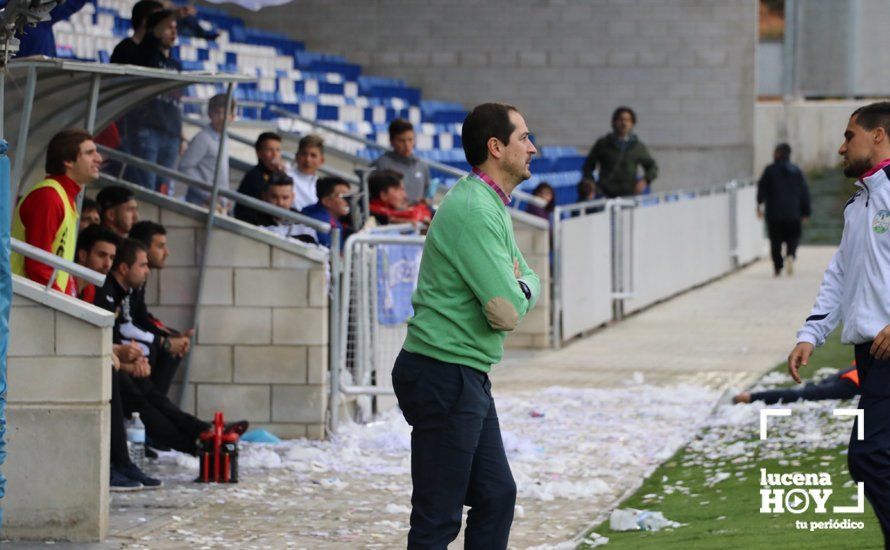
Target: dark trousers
(457,454)
(833,387)
(869,459)
(119,455)
(163,368)
(783,231)
(165,423)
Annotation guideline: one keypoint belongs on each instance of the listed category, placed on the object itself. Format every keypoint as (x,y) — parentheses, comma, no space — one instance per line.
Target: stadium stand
(318,86)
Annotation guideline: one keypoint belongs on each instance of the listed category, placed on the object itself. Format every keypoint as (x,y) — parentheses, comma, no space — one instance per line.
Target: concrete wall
(814,129)
(842,47)
(687,67)
(534,243)
(262,347)
(59,378)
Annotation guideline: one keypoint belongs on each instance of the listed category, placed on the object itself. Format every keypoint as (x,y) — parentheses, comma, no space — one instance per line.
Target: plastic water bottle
(136,440)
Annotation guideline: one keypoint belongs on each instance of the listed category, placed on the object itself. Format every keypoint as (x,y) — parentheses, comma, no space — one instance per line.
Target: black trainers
(133,472)
(120,482)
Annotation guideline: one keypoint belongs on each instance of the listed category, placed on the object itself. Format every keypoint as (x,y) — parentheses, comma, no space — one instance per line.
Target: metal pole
(334,316)
(93,105)
(208,233)
(24,125)
(366,198)
(557,275)
(90,125)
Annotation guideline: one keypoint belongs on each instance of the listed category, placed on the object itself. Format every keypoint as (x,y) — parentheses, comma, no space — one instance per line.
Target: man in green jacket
(474,286)
(618,154)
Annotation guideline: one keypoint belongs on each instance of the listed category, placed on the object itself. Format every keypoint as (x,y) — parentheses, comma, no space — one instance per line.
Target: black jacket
(162,113)
(252,185)
(784,190)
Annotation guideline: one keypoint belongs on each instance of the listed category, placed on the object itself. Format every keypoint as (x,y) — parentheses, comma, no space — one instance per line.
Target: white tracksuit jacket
(856,285)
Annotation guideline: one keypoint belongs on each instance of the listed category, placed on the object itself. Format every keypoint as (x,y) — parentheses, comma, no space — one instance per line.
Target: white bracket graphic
(860,502)
(860,420)
(766,413)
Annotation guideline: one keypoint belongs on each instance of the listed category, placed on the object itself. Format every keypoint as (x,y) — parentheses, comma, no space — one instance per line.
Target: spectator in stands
(415,173)
(39,39)
(89,213)
(268,154)
(310,157)
(279,191)
(165,424)
(783,190)
(169,345)
(331,207)
(46,216)
(199,160)
(154,129)
(118,209)
(127,50)
(586,189)
(618,155)
(389,200)
(544,191)
(96,247)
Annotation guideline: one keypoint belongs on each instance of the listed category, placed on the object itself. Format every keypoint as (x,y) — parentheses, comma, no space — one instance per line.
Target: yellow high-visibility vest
(65,241)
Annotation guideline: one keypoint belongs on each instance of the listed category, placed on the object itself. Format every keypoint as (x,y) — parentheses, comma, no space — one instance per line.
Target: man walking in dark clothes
(854,292)
(783,189)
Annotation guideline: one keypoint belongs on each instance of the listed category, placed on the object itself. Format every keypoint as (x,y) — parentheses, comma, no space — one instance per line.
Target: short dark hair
(145,231)
(873,115)
(486,121)
(112,196)
(311,140)
(64,147)
(218,102)
(126,252)
(88,204)
(264,137)
(585,187)
(623,109)
(399,126)
(381,180)
(325,187)
(156,17)
(279,178)
(784,151)
(94,234)
(142,9)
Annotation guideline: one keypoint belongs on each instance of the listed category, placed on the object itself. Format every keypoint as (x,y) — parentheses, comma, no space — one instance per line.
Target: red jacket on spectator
(417,213)
(42,212)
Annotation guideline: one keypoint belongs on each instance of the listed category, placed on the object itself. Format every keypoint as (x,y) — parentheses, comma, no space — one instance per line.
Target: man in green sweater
(474,286)
(618,155)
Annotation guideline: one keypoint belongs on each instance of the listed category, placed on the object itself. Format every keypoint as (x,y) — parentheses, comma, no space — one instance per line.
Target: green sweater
(468,296)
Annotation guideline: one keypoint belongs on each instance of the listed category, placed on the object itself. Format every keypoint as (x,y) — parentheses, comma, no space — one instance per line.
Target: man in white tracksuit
(856,290)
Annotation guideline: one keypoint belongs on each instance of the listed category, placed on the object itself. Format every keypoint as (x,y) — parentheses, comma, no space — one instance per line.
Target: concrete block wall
(261,352)
(687,66)
(59,388)
(534,330)
(813,128)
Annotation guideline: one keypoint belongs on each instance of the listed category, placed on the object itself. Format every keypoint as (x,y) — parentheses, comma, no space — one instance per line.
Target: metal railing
(239,198)
(57,263)
(358,305)
(520,196)
(616,241)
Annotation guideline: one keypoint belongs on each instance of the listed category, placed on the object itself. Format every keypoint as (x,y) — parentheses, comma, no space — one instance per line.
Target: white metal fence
(379,276)
(618,256)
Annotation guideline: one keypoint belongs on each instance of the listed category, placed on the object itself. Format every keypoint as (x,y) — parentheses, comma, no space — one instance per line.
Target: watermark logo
(799,492)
